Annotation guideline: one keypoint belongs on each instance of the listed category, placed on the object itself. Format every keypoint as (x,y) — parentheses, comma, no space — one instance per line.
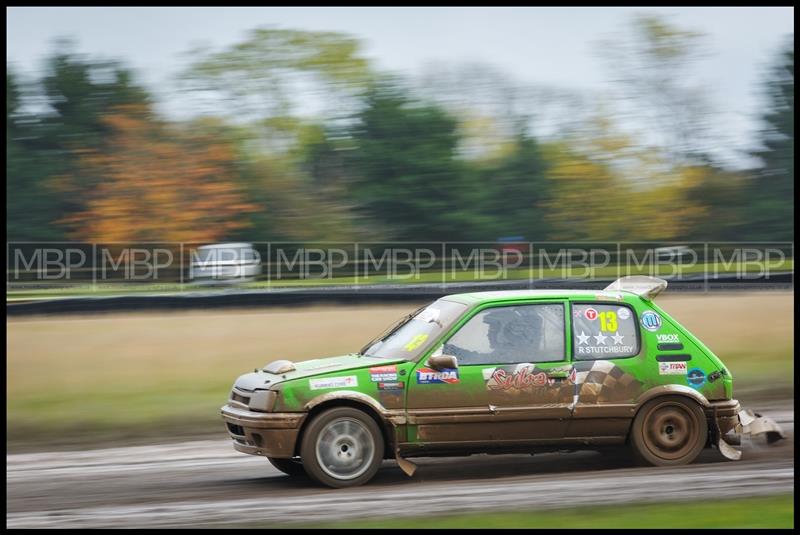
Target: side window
(511,334)
(603,331)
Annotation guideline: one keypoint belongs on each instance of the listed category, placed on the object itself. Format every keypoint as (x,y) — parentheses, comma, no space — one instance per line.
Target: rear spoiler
(641,285)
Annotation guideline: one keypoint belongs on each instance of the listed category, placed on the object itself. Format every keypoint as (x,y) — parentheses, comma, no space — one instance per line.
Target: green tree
(408,178)
(771,192)
(29,203)
(516,191)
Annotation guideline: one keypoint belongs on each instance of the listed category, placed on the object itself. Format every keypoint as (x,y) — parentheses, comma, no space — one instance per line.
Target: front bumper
(272,434)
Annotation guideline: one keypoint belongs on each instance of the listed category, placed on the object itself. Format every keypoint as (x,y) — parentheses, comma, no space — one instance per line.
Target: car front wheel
(668,431)
(342,447)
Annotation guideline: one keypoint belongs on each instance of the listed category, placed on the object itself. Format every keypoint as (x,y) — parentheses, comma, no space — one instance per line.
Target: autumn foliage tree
(156,183)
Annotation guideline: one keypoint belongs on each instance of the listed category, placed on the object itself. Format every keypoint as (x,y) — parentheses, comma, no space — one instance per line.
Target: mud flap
(406,466)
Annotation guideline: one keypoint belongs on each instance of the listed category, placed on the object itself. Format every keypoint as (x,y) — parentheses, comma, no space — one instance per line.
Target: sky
(555,47)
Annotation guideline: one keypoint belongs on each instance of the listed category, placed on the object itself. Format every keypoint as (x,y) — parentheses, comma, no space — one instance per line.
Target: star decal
(601,339)
(583,338)
(617,338)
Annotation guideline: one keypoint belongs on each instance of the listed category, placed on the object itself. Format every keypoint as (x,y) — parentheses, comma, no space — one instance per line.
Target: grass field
(138,376)
(762,512)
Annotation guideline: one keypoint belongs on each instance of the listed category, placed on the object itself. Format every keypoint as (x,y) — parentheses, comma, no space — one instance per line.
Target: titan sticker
(333,382)
(672,368)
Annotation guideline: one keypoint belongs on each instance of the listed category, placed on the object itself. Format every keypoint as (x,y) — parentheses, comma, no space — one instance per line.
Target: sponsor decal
(523,377)
(696,377)
(672,368)
(651,321)
(333,382)
(415,342)
(427,376)
(395,385)
(623,313)
(383,373)
(590,314)
(668,338)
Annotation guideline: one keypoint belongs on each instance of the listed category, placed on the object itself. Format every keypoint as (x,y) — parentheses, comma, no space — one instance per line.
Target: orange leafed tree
(153,183)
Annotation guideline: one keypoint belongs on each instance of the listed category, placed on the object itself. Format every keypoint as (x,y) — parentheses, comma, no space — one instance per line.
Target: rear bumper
(729,416)
(725,413)
(256,433)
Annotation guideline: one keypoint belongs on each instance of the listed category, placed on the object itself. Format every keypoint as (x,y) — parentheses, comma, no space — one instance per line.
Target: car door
(608,357)
(511,385)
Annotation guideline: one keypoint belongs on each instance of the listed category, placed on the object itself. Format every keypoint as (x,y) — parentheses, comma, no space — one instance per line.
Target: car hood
(262,379)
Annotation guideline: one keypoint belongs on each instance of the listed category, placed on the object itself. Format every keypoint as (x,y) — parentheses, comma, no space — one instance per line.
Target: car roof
(471,298)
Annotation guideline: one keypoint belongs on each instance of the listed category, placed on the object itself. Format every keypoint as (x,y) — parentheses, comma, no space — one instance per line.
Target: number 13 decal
(608,321)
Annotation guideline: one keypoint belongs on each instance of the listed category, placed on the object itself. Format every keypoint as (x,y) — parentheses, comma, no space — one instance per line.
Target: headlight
(263,400)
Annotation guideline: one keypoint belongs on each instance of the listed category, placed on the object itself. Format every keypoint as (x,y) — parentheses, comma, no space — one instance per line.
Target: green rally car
(498,372)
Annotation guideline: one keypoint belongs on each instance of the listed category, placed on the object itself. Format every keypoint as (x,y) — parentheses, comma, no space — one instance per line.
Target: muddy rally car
(498,372)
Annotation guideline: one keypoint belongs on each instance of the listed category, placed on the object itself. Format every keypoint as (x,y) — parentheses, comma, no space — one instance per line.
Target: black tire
(669,431)
(290,467)
(342,447)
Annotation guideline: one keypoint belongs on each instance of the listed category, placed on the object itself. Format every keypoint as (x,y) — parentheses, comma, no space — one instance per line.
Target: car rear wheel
(668,431)
(342,447)
(290,467)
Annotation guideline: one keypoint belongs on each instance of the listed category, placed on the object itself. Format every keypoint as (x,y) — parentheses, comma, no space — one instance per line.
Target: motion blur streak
(204,482)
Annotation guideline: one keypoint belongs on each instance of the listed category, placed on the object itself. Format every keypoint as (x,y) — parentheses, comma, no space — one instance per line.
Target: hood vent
(278,367)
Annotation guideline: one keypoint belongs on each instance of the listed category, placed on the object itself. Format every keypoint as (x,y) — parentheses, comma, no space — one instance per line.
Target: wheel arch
(355,400)
(671,390)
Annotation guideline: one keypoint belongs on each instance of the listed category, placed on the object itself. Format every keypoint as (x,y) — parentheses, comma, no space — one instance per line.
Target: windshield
(415,333)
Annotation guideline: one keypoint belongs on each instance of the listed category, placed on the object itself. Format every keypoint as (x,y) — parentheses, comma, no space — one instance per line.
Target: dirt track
(205,483)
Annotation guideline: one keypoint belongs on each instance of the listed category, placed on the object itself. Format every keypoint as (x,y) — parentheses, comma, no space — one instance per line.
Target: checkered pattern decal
(602,381)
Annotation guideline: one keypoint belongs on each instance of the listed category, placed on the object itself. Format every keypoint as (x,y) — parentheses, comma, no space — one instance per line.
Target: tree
(408,178)
(653,69)
(262,78)
(516,191)
(157,183)
(771,191)
(31,205)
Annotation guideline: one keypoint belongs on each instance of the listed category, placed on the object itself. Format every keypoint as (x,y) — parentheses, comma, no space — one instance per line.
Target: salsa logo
(672,368)
(623,313)
(696,377)
(651,321)
(427,376)
(383,373)
(519,379)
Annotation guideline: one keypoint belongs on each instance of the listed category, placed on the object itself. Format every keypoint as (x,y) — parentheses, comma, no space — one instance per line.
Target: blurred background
(307,126)
(209,125)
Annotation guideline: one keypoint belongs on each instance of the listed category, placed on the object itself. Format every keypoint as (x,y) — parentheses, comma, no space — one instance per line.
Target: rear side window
(601,331)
